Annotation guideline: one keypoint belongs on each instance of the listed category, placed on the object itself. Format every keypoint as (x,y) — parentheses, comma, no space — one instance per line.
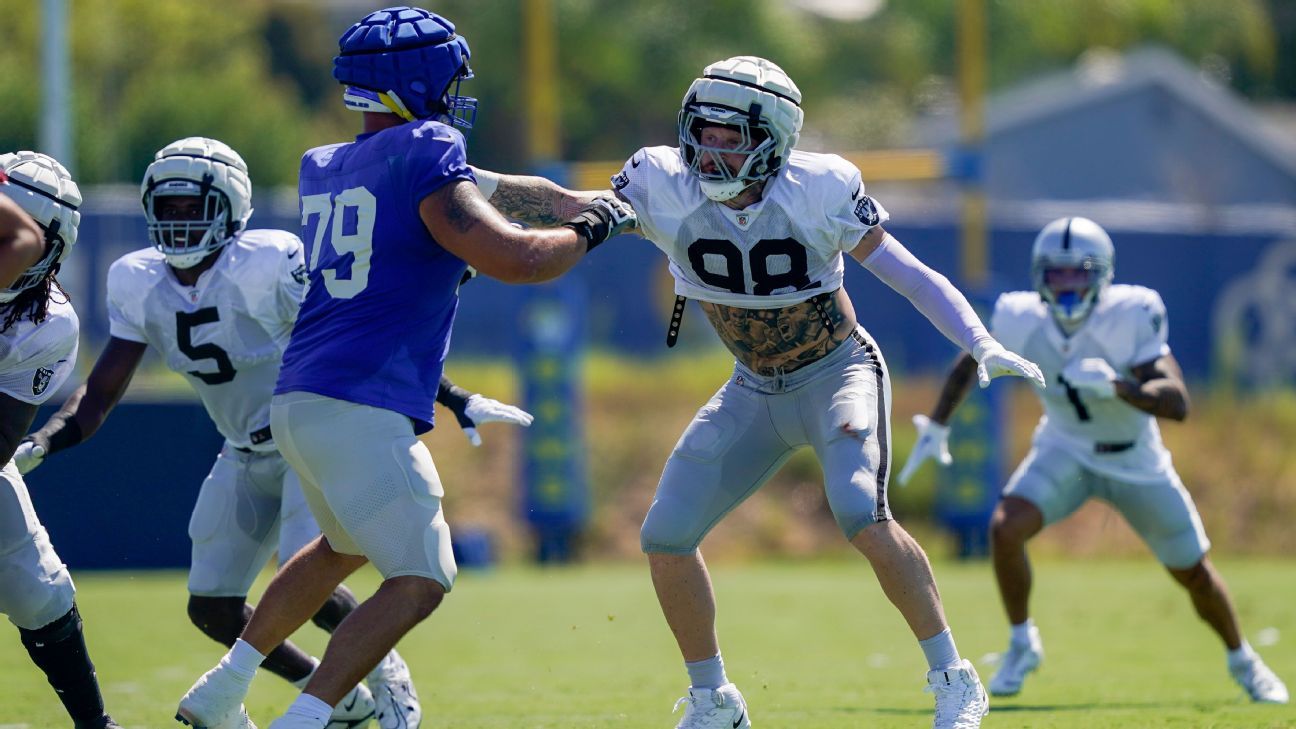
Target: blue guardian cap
(406,61)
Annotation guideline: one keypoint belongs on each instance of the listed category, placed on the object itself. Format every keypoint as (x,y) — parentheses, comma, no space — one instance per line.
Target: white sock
(310,707)
(301,682)
(940,651)
(1021,632)
(243,660)
(1242,654)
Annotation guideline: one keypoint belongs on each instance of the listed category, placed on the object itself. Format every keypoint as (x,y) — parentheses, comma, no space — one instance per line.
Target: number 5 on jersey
(348,219)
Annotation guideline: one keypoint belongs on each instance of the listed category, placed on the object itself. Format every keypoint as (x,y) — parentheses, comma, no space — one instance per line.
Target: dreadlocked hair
(33,303)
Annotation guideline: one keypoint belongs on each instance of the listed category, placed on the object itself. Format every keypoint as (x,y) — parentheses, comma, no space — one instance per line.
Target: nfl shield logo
(41,380)
(743,220)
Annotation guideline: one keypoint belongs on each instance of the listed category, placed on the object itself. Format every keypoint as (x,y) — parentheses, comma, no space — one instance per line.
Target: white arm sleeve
(487,181)
(930,293)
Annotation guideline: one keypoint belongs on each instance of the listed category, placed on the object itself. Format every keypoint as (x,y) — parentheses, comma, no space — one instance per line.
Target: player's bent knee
(32,598)
(422,594)
(657,537)
(1015,521)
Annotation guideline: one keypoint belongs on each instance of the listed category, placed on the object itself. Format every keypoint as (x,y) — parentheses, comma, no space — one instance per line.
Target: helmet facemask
(187,241)
(1070,286)
(755,146)
(44,189)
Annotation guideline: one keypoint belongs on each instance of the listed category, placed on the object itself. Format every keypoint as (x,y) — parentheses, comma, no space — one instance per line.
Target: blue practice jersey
(375,325)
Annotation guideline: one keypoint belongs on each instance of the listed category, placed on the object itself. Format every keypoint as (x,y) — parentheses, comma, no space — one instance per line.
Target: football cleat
(1261,684)
(103,722)
(396,703)
(960,700)
(1017,662)
(353,711)
(215,701)
(720,708)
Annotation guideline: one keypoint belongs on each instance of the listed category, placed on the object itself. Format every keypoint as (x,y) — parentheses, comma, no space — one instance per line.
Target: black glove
(603,218)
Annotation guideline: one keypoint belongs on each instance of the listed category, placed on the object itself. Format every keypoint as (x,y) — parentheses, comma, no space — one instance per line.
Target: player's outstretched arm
(87,408)
(472,409)
(933,431)
(535,201)
(1158,388)
(942,304)
(465,224)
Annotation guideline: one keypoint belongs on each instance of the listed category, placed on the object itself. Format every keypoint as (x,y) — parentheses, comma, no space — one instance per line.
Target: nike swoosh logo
(738,722)
(355,696)
(634,162)
(292,254)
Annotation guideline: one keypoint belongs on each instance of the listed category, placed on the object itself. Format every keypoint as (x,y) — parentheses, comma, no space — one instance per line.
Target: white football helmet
(1072,244)
(202,168)
(756,98)
(45,190)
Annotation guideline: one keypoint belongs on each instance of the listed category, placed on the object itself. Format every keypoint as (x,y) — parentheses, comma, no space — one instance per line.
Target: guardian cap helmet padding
(754,97)
(1072,243)
(202,168)
(45,190)
(406,61)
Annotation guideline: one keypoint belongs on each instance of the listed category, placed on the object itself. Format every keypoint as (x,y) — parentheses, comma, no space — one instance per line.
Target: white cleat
(396,703)
(215,701)
(1261,684)
(1020,660)
(960,700)
(354,710)
(721,708)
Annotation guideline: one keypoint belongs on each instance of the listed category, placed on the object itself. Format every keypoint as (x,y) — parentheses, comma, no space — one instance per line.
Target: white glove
(485,410)
(1092,375)
(994,361)
(933,442)
(28,456)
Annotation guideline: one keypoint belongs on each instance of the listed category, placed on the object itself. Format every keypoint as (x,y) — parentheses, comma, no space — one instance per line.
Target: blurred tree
(256,73)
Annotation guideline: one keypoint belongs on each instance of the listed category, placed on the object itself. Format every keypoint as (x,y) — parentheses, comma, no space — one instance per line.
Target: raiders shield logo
(620,181)
(41,380)
(866,211)
(299,274)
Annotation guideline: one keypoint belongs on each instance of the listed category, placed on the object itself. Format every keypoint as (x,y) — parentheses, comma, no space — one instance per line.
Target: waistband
(257,437)
(857,341)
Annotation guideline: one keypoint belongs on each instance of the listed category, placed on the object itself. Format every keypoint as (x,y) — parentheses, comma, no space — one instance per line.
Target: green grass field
(813,645)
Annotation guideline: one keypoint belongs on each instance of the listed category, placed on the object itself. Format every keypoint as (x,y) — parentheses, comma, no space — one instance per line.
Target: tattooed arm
(533,200)
(770,341)
(1158,389)
(462,222)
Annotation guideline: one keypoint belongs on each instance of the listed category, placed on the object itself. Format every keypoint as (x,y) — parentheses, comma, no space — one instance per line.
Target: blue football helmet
(406,61)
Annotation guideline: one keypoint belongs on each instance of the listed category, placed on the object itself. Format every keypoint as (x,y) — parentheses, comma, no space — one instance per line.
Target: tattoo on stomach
(774,341)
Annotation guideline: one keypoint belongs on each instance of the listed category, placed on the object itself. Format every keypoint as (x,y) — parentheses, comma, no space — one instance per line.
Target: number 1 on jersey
(349,219)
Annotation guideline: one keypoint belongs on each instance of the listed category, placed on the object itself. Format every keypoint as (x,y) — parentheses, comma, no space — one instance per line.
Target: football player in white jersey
(38,338)
(1104,347)
(756,231)
(218,302)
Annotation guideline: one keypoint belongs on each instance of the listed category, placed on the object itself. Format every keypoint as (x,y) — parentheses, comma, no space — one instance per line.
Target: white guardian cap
(753,96)
(1072,262)
(202,168)
(45,190)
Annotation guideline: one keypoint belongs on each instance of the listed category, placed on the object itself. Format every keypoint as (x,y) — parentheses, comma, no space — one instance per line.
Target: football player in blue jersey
(38,339)
(217,300)
(391,223)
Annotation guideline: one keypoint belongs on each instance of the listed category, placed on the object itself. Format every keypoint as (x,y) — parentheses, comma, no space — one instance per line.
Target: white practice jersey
(781,251)
(1126,328)
(227,334)
(35,359)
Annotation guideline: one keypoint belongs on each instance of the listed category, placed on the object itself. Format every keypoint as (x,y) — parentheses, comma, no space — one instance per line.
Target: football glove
(605,217)
(485,410)
(995,361)
(933,442)
(1093,376)
(28,456)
